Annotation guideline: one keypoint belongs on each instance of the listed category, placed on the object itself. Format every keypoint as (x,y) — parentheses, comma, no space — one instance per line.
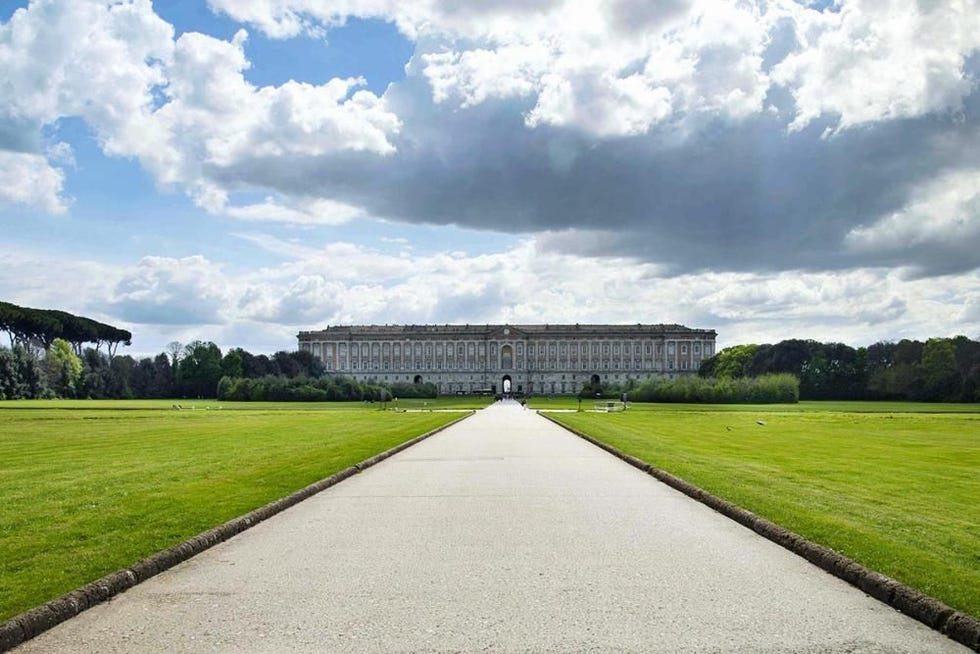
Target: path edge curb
(956,625)
(33,622)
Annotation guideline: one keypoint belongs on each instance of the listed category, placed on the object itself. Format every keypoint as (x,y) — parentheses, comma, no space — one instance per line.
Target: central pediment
(506,332)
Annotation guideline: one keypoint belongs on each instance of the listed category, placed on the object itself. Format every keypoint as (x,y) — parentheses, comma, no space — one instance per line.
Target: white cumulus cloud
(182,107)
(879,60)
(29,179)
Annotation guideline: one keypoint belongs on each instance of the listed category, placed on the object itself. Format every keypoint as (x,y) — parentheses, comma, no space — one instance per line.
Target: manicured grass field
(568,402)
(446,402)
(91,487)
(893,486)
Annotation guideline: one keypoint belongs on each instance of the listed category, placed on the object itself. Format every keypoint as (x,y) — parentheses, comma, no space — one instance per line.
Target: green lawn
(894,486)
(445,402)
(566,402)
(91,487)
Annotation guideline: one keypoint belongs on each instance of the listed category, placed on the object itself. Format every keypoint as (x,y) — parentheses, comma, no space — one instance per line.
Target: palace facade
(520,359)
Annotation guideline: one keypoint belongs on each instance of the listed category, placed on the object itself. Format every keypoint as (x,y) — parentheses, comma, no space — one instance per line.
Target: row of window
(429,364)
(471,349)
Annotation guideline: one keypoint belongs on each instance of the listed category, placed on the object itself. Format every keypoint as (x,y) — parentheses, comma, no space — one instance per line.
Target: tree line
(937,370)
(28,328)
(47,358)
(196,370)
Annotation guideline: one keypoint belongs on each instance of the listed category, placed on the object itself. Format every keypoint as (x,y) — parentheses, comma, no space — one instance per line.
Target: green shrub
(779,388)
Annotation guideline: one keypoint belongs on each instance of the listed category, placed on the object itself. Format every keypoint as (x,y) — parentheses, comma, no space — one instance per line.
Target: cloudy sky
(239,170)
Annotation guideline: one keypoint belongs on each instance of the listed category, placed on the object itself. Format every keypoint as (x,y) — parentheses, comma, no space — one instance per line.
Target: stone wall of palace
(526,359)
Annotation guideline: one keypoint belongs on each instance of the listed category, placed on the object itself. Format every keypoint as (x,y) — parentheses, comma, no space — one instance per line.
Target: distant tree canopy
(26,327)
(47,358)
(941,369)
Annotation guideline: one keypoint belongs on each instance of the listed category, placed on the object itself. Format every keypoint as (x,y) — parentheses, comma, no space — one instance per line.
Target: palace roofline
(492,327)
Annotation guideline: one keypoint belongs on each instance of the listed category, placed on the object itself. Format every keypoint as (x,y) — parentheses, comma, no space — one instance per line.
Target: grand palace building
(542,359)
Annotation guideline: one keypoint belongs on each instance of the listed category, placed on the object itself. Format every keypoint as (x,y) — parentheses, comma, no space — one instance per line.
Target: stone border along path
(29,624)
(504,532)
(957,625)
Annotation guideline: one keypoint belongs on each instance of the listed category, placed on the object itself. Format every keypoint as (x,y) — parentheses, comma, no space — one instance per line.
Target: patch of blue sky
(8,7)
(372,49)
(117,213)
(824,5)
(195,16)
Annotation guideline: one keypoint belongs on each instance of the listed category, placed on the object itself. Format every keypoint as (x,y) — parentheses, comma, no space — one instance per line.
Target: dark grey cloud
(723,195)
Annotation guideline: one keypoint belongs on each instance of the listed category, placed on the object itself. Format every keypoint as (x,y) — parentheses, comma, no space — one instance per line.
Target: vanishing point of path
(502,533)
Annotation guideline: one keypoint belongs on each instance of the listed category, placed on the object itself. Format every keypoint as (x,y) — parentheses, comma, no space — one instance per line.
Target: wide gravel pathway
(502,533)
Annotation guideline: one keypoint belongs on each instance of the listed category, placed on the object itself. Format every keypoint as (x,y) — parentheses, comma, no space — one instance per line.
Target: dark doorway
(418,379)
(506,385)
(595,380)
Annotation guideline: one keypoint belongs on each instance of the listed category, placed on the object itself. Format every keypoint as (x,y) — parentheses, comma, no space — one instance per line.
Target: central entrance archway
(506,385)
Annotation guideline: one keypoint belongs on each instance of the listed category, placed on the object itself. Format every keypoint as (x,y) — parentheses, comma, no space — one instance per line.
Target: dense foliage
(938,370)
(766,389)
(325,389)
(299,389)
(195,370)
(27,327)
(21,376)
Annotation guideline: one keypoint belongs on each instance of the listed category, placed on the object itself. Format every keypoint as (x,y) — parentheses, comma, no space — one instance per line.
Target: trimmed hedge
(779,388)
(307,389)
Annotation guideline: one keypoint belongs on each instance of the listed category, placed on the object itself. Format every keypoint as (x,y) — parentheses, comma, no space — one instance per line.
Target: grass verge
(896,492)
(89,491)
